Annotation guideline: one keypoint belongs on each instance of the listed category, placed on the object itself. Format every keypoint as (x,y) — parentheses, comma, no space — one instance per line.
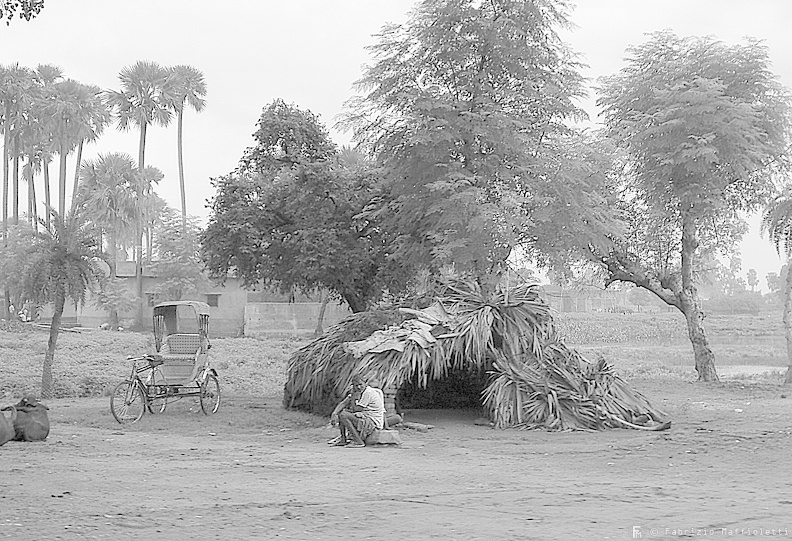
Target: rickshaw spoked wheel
(127,403)
(210,395)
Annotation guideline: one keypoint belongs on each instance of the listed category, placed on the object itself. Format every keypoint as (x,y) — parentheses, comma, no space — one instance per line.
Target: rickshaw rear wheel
(210,395)
(127,402)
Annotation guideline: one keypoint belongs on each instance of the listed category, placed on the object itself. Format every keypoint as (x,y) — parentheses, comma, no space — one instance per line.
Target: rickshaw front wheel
(210,395)
(127,402)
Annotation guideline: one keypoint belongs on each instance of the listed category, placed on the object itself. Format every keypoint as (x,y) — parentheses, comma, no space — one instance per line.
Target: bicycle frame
(151,389)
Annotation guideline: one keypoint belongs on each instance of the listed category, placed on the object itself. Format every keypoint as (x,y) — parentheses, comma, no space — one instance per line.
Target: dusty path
(254,471)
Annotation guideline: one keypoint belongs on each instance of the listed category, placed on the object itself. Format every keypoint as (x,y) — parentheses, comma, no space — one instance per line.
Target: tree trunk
(15,178)
(356,303)
(320,320)
(139,226)
(181,175)
(47,386)
(47,193)
(62,181)
(6,156)
(77,174)
(33,212)
(788,321)
(113,273)
(691,306)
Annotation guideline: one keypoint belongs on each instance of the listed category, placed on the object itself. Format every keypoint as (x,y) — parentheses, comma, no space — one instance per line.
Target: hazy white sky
(309,52)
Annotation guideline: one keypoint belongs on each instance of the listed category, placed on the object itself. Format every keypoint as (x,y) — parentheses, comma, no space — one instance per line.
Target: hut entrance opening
(459,389)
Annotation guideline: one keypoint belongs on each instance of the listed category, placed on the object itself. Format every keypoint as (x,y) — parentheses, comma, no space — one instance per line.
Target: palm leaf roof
(535,379)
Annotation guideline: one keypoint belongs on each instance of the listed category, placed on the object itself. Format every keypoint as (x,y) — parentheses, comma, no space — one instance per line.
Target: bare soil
(255,471)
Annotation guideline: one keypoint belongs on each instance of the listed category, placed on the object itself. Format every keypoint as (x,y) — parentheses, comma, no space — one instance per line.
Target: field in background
(647,345)
(90,363)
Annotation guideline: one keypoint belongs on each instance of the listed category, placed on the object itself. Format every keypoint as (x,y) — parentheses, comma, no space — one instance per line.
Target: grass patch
(91,363)
(640,346)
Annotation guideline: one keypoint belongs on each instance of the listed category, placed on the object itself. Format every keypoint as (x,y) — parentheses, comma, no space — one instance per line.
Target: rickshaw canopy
(180,317)
(198,306)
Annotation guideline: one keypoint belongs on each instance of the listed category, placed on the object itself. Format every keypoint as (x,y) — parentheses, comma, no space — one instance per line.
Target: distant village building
(234,311)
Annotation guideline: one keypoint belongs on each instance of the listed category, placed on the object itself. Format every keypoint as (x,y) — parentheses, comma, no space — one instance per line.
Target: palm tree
(15,86)
(107,192)
(62,264)
(46,76)
(64,108)
(92,117)
(14,82)
(146,97)
(777,222)
(190,89)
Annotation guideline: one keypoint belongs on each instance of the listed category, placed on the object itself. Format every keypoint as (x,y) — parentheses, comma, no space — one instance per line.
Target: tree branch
(621,267)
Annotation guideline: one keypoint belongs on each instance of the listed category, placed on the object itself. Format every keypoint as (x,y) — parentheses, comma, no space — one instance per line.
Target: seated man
(367,414)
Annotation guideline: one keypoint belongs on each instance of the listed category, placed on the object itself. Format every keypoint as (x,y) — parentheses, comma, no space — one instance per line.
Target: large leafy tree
(190,89)
(27,9)
(464,107)
(289,216)
(703,127)
(777,222)
(61,265)
(146,98)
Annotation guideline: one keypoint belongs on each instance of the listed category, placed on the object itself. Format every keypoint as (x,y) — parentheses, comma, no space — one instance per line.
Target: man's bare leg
(348,420)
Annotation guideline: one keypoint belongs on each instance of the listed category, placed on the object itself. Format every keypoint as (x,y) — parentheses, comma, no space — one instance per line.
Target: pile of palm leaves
(319,373)
(536,380)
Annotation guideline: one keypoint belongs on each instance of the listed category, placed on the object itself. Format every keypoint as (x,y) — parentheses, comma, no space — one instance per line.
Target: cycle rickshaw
(180,367)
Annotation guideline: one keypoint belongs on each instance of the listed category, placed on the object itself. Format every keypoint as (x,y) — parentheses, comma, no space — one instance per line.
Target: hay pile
(536,380)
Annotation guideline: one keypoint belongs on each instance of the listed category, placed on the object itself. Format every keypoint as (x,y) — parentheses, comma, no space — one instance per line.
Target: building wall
(232,311)
(268,318)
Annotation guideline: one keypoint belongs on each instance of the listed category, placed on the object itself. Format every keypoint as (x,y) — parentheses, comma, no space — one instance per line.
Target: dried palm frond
(319,373)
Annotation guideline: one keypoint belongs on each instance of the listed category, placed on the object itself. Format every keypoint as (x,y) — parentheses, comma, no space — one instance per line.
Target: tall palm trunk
(113,263)
(181,174)
(691,305)
(77,172)
(32,212)
(139,224)
(6,157)
(47,387)
(62,179)
(788,321)
(47,194)
(15,178)
(6,314)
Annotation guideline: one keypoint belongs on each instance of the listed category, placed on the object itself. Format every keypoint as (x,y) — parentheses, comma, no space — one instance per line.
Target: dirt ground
(255,471)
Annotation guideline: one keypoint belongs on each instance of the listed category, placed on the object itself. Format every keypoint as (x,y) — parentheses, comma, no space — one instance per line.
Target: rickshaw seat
(180,358)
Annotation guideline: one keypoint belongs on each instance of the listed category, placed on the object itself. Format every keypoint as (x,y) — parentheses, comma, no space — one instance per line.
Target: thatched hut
(503,344)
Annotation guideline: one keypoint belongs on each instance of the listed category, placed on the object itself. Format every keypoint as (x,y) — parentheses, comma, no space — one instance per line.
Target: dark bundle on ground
(318,373)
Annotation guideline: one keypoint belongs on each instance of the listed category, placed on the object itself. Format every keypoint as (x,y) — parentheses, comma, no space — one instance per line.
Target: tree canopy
(461,107)
(27,9)
(289,215)
(703,127)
